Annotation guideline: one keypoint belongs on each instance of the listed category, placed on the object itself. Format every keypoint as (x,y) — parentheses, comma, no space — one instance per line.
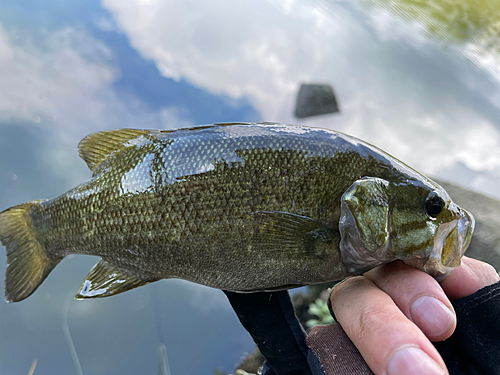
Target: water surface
(422,85)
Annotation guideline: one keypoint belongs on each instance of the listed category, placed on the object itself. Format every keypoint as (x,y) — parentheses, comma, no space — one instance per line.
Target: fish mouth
(450,243)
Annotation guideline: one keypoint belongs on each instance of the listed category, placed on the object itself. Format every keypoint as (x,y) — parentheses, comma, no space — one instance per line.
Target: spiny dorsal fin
(96,147)
(107,280)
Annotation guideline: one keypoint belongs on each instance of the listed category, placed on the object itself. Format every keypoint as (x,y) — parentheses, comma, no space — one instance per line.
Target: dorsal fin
(96,147)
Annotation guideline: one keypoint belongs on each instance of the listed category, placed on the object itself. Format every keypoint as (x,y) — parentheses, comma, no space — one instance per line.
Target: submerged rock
(485,243)
(315,100)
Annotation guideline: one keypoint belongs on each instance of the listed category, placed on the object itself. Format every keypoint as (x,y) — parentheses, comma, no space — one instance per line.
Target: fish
(241,207)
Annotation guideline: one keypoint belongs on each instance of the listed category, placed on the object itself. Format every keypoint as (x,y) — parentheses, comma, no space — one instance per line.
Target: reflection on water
(419,79)
(451,21)
(395,83)
(67,335)
(163,364)
(473,27)
(33,367)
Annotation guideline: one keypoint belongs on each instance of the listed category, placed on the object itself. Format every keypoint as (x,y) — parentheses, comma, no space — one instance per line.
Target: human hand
(393,312)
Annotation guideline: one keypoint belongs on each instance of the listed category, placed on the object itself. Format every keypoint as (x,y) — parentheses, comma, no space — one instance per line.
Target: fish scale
(241,207)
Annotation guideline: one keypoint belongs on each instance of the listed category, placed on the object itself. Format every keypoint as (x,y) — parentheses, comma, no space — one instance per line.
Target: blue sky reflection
(69,68)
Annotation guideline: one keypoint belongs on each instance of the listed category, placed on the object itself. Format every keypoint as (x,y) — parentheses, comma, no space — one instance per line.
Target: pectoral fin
(295,234)
(107,280)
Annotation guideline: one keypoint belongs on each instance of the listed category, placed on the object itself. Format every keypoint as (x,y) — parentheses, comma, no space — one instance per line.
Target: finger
(467,279)
(419,296)
(387,340)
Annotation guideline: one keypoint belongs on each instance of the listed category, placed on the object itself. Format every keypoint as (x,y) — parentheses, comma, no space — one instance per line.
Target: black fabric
(474,347)
(271,321)
(314,363)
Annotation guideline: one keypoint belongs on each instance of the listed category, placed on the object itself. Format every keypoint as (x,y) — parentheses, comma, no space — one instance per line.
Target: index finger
(388,341)
(419,297)
(467,279)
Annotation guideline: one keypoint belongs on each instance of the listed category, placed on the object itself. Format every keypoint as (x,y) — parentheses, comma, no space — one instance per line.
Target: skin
(378,314)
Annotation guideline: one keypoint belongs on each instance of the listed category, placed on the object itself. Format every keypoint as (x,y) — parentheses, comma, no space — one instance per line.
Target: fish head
(411,220)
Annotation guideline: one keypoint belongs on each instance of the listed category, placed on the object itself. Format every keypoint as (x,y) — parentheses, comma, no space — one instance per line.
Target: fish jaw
(450,243)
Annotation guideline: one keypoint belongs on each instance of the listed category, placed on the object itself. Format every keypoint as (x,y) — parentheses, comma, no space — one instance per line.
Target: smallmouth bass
(240,207)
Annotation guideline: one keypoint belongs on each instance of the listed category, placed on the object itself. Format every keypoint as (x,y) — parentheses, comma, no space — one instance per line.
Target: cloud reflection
(62,83)
(64,80)
(397,87)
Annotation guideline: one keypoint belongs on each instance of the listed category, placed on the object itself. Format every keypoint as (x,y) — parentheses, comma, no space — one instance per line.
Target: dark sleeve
(474,347)
(270,319)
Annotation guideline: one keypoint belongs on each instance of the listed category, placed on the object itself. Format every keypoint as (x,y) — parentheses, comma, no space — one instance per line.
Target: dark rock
(485,243)
(252,362)
(314,100)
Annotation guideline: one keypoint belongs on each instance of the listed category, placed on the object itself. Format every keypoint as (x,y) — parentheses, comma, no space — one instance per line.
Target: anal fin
(106,280)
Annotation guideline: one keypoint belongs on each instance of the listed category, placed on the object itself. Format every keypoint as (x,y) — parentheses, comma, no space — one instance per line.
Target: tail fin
(28,263)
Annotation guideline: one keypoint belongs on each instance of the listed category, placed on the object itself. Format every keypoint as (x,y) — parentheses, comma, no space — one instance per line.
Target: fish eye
(434,205)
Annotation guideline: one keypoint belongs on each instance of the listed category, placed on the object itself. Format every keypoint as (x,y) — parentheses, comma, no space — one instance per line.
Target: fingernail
(411,360)
(432,316)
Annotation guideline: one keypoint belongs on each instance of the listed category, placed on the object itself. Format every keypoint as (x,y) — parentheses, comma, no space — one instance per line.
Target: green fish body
(241,207)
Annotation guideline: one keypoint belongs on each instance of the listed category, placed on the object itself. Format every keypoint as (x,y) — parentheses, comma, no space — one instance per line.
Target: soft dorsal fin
(107,280)
(96,147)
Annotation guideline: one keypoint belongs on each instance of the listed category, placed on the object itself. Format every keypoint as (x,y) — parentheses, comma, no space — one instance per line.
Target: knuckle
(369,321)
(490,273)
(347,286)
(360,314)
